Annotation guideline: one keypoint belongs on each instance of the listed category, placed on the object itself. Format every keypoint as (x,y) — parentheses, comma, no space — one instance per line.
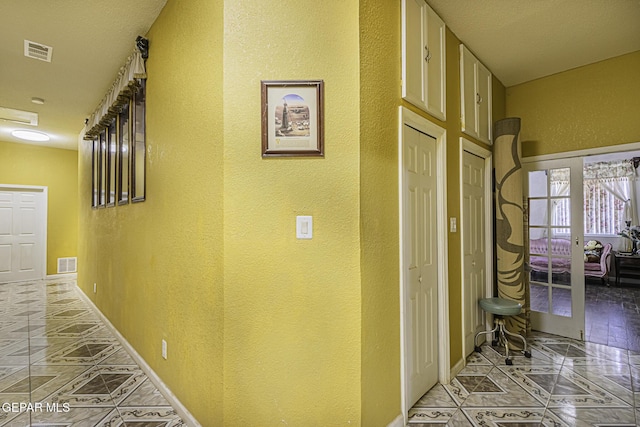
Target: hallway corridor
(61,366)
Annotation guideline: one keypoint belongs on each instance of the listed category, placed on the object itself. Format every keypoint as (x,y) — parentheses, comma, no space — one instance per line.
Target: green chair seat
(500,306)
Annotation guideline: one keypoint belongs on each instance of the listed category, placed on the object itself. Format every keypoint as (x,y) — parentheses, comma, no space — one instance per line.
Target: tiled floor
(60,365)
(565,383)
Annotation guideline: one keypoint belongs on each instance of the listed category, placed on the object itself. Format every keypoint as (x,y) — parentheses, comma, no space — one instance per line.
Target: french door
(556,256)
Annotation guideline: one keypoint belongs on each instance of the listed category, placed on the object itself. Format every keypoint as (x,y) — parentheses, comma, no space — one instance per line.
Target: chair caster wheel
(527,354)
(508,362)
(478,349)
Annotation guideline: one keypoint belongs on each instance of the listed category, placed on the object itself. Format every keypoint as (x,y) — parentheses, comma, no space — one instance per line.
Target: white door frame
(43,216)
(470,147)
(408,117)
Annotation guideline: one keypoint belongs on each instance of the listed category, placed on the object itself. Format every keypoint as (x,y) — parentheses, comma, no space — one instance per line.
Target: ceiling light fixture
(37,100)
(30,135)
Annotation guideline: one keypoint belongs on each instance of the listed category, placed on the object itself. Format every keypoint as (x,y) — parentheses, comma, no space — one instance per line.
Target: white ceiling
(519,40)
(91,40)
(523,40)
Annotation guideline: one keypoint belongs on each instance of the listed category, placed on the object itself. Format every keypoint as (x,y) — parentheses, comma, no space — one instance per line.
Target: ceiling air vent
(37,51)
(19,116)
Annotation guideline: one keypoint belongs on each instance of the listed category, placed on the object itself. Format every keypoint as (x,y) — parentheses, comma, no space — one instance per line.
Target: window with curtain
(608,194)
(117,129)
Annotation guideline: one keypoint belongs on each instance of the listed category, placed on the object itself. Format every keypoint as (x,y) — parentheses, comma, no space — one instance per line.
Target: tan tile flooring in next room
(61,366)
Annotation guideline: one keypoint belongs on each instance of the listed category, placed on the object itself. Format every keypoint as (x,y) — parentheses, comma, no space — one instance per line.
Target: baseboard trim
(155,379)
(397,422)
(64,276)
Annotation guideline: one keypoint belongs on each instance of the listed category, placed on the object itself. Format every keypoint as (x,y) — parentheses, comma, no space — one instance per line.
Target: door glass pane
(559,182)
(561,211)
(538,183)
(538,214)
(539,297)
(561,301)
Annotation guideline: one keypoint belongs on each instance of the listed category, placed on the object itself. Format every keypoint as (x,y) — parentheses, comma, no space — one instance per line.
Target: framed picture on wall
(292,118)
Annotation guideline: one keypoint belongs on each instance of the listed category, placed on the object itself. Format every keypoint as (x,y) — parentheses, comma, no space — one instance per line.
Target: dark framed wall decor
(103,169)
(95,173)
(138,145)
(111,163)
(123,155)
(292,118)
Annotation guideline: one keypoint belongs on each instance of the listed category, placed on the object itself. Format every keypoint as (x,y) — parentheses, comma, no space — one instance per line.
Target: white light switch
(453,227)
(304,227)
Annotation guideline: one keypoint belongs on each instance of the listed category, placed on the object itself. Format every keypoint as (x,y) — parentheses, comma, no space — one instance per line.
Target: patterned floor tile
(82,352)
(58,377)
(80,417)
(119,357)
(437,397)
(497,389)
(153,416)
(596,416)
(429,416)
(565,383)
(59,360)
(574,390)
(14,419)
(144,394)
(499,417)
(85,390)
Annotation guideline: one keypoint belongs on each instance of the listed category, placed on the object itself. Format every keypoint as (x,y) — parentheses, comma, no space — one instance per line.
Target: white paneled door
(420,262)
(473,245)
(23,215)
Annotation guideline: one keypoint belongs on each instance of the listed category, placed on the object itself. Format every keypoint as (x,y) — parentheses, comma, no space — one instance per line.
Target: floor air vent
(37,51)
(67,265)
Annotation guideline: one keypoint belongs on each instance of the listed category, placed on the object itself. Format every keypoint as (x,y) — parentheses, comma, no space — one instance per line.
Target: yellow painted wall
(292,307)
(158,264)
(56,169)
(260,325)
(379,100)
(592,106)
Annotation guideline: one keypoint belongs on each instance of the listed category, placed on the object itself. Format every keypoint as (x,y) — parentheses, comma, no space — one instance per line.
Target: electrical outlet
(164,349)
(95,288)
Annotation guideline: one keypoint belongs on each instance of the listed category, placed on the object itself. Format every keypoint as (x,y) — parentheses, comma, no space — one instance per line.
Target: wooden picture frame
(292,118)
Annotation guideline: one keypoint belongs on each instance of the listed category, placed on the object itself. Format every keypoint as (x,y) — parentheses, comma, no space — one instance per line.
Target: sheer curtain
(560,208)
(609,196)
